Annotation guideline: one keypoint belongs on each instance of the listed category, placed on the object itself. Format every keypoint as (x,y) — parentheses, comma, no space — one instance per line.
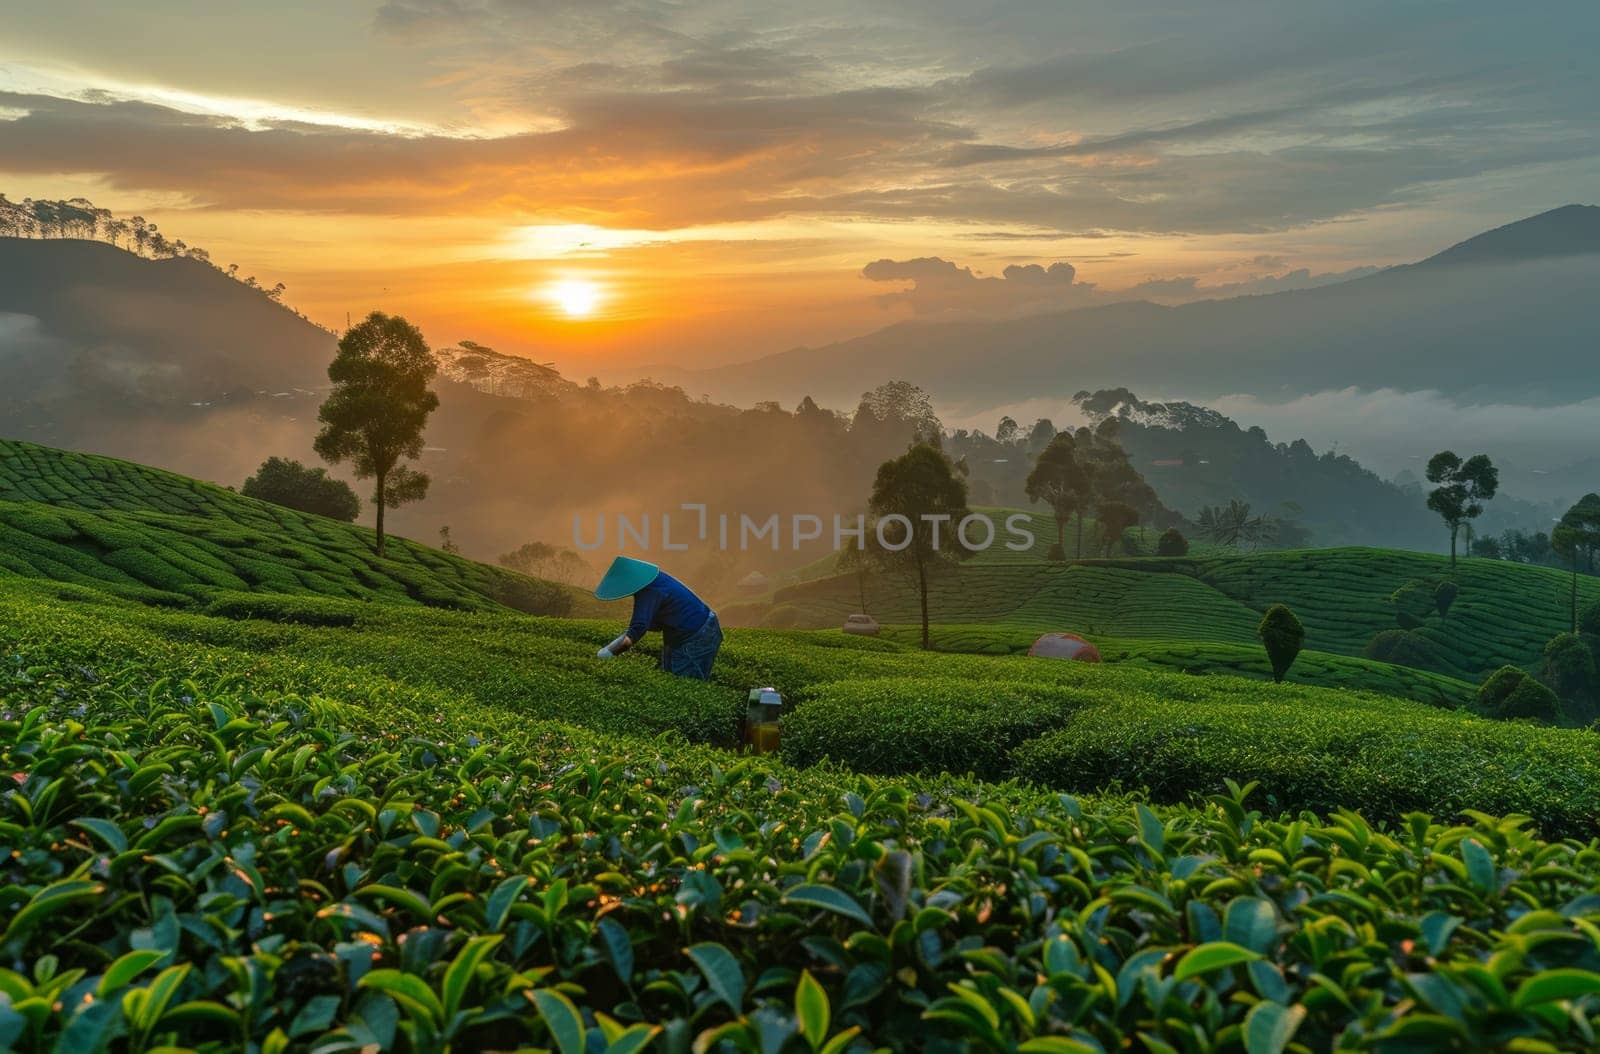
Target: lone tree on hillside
(1232,524)
(1463,487)
(377,410)
(294,486)
(1172,543)
(1577,539)
(919,501)
(1059,480)
(1282,635)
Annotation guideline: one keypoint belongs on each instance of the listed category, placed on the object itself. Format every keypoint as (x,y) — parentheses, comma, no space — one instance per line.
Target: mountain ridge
(1443,314)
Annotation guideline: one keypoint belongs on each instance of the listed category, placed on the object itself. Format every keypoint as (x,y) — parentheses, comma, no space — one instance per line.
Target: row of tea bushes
(216,851)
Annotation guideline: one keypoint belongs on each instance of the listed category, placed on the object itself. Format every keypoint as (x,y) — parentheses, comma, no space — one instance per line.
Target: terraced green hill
(164,538)
(1504,613)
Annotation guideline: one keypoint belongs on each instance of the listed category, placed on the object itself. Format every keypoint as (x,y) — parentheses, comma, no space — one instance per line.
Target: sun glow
(577,297)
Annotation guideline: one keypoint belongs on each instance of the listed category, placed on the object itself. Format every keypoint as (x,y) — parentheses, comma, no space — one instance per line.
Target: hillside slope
(1504,614)
(157,536)
(174,329)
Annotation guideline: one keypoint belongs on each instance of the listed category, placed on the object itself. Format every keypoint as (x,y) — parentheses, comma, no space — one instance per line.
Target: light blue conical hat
(625,577)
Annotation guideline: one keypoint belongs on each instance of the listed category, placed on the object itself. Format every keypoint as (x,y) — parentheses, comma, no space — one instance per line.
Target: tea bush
(1384,760)
(1510,693)
(924,725)
(219,849)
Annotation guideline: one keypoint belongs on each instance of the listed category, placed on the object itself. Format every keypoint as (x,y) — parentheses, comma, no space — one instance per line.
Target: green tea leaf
(106,831)
(811,1008)
(410,991)
(1206,958)
(721,971)
(1056,1045)
(45,904)
(498,907)
(125,969)
(1251,922)
(828,899)
(1269,1027)
(1480,865)
(459,974)
(561,1018)
(1552,986)
(634,1040)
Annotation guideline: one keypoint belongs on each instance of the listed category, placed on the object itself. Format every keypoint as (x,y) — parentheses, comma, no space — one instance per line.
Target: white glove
(604,653)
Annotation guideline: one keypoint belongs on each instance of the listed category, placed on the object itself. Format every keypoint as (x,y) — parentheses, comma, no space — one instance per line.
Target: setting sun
(576,296)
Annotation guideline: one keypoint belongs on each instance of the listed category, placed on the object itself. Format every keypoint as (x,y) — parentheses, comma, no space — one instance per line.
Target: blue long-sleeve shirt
(670,606)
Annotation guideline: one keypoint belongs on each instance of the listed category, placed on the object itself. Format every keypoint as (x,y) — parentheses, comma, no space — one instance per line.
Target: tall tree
(1114,517)
(927,499)
(1059,480)
(1461,489)
(1232,524)
(380,403)
(1576,539)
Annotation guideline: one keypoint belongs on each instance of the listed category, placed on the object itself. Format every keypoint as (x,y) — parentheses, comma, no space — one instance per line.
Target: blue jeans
(693,657)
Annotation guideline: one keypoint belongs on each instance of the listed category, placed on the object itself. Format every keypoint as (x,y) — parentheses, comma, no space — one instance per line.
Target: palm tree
(1233,525)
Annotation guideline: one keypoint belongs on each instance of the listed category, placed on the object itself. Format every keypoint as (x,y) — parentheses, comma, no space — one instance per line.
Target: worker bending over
(690,633)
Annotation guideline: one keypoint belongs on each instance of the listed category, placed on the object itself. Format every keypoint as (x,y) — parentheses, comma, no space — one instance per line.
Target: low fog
(1544,452)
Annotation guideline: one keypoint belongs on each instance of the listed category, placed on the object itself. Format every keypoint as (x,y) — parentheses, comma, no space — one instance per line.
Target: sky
(725,180)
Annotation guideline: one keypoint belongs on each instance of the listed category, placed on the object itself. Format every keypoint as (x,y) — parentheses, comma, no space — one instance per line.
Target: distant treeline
(1197,457)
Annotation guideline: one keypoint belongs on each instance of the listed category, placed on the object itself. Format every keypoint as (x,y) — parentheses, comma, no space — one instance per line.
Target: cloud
(1157,116)
(941,287)
(653,160)
(21,335)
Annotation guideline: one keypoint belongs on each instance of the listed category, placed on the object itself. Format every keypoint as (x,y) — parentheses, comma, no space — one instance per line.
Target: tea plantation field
(1323,669)
(1504,613)
(312,831)
(258,802)
(164,538)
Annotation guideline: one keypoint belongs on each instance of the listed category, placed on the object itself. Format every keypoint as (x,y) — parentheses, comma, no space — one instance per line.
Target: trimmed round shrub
(1568,668)
(294,486)
(1511,692)
(1172,543)
(1589,621)
(1283,636)
(1413,602)
(1403,648)
(1444,596)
